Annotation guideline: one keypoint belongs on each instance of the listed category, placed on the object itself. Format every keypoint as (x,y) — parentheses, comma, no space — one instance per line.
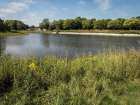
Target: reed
(104,79)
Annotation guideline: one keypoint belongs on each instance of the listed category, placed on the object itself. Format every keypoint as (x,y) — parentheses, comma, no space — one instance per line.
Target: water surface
(61,45)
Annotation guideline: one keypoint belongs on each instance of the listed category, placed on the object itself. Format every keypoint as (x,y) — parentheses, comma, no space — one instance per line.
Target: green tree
(2,27)
(59,24)
(114,24)
(20,25)
(131,23)
(53,25)
(93,20)
(138,24)
(138,17)
(32,27)
(78,23)
(10,25)
(45,24)
(122,20)
(98,24)
(69,24)
(105,22)
(86,24)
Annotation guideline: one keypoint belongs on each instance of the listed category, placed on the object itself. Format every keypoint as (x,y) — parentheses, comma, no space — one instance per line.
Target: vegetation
(87,24)
(45,24)
(74,24)
(103,79)
(12,33)
(104,31)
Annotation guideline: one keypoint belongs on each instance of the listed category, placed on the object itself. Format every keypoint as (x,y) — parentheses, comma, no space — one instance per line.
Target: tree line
(86,24)
(10,25)
(78,23)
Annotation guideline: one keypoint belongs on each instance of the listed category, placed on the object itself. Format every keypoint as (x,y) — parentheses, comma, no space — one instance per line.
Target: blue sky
(32,12)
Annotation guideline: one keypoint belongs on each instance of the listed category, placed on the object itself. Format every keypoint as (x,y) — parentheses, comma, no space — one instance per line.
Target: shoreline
(97,34)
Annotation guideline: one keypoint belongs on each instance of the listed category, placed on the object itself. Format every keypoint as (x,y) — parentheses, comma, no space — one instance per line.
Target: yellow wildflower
(32,66)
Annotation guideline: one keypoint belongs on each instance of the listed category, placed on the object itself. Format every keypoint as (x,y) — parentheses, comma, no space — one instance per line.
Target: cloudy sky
(32,12)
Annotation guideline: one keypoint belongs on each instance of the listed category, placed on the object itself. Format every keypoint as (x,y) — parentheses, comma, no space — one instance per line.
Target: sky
(32,12)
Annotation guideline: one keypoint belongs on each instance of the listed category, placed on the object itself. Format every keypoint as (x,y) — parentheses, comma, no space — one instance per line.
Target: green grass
(12,33)
(105,31)
(103,79)
(45,32)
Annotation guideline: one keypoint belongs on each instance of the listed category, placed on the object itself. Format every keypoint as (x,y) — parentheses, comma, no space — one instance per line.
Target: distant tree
(69,24)
(59,24)
(10,25)
(84,18)
(32,27)
(131,23)
(93,20)
(53,25)
(114,24)
(78,23)
(105,22)
(20,25)
(86,24)
(26,26)
(2,27)
(122,20)
(138,24)
(138,17)
(45,24)
(98,24)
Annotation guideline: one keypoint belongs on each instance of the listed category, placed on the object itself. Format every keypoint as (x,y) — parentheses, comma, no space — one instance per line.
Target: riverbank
(105,31)
(97,34)
(103,79)
(12,33)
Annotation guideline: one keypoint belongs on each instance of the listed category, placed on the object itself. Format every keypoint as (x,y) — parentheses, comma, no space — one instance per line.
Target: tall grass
(103,79)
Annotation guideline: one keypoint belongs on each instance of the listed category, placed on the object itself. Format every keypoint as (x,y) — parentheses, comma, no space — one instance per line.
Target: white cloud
(82,2)
(17,6)
(64,9)
(29,1)
(14,7)
(7,11)
(104,4)
(2,15)
(32,14)
(54,7)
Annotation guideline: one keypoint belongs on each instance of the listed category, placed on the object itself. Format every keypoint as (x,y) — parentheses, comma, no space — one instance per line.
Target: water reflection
(60,45)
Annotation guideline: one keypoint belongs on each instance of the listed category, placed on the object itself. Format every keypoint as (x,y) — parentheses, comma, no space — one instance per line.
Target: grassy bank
(105,31)
(12,33)
(45,32)
(103,79)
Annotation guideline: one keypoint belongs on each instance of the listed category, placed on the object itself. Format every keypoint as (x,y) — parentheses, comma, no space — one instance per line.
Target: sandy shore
(97,34)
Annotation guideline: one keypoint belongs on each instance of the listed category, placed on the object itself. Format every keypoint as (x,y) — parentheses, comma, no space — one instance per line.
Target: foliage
(10,24)
(130,23)
(114,24)
(87,24)
(98,24)
(78,23)
(69,24)
(103,79)
(21,26)
(105,22)
(2,27)
(53,25)
(59,24)
(45,24)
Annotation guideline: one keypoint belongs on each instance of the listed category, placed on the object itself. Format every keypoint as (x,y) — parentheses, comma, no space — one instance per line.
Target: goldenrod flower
(32,66)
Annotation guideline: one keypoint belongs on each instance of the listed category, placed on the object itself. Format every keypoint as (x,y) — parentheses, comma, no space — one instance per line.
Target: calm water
(60,45)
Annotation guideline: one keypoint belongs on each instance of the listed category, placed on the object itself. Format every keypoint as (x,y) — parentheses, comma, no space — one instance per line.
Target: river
(37,44)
